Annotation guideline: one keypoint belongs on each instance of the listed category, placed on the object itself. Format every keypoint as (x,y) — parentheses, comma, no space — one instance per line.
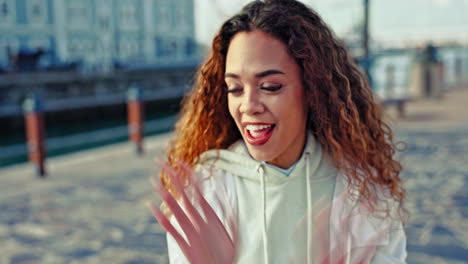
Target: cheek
(293,103)
(232,108)
(297,112)
(301,98)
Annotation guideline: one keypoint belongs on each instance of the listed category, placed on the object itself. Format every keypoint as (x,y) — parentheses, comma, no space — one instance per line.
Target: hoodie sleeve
(377,240)
(395,250)
(218,188)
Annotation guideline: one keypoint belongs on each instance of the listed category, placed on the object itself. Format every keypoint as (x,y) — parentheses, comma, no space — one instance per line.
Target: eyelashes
(233,90)
(266,88)
(272,88)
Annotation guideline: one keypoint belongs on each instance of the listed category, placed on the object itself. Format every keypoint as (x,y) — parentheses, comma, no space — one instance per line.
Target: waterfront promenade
(91,207)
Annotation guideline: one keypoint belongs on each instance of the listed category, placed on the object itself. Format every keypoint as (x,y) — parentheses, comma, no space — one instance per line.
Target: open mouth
(258,134)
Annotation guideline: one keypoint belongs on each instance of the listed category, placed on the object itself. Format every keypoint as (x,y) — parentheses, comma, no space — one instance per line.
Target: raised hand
(207,240)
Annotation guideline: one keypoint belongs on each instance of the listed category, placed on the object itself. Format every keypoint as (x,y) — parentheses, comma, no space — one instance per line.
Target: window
(104,15)
(4,9)
(77,14)
(162,16)
(190,47)
(80,47)
(7,11)
(166,48)
(128,15)
(104,22)
(129,48)
(174,15)
(37,12)
(183,16)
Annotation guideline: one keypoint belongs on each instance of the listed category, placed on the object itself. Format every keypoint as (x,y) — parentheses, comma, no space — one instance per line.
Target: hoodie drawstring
(309,211)
(260,169)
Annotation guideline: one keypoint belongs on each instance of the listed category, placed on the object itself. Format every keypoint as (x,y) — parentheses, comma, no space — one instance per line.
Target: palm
(207,238)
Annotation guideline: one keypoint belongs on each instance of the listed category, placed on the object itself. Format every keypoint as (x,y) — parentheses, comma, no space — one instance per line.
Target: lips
(258,134)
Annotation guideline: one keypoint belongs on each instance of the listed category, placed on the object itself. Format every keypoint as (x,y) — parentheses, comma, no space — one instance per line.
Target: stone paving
(91,208)
(435,173)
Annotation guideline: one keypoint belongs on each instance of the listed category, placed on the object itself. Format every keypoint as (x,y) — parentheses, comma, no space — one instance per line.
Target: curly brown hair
(343,114)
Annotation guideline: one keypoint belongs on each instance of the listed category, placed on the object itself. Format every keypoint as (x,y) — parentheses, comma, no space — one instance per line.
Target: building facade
(99,34)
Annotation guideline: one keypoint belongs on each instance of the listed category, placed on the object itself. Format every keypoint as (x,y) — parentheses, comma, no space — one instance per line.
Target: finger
(179,214)
(166,224)
(217,236)
(159,161)
(207,210)
(233,227)
(211,217)
(213,231)
(231,219)
(193,213)
(188,170)
(230,222)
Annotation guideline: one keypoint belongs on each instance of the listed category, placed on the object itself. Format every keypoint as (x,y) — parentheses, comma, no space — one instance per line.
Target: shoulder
(209,176)
(369,225)
(379,204)
(218,187)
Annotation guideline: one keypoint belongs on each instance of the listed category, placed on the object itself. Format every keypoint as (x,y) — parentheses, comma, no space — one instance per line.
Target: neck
(292,154)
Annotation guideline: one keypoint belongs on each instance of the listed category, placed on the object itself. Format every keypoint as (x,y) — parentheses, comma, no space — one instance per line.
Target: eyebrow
(258,75)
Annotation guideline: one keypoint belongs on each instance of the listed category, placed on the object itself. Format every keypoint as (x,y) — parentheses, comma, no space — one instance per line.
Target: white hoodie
(275,213)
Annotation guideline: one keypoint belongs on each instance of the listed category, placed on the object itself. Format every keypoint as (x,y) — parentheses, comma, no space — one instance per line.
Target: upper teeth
(257,127)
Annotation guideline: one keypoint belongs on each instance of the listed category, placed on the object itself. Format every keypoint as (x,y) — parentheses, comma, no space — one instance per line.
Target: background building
(98,35)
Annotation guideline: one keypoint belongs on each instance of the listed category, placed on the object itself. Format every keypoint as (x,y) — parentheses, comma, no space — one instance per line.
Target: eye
(271,88)
(233,90)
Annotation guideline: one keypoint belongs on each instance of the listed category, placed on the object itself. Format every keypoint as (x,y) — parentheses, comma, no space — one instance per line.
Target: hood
(237,160)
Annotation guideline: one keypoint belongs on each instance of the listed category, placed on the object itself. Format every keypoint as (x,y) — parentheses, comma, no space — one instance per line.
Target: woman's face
(266,97)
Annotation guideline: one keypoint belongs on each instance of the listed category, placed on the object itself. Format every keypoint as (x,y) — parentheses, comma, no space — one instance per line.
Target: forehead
(256,51)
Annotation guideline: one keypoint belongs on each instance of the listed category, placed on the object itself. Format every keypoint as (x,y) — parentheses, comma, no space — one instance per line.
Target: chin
(259,155)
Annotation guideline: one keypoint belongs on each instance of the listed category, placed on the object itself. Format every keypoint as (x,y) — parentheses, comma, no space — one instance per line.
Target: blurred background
(90,90)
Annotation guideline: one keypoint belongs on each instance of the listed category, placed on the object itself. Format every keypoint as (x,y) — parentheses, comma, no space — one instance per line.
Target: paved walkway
(91,208)
(435,173)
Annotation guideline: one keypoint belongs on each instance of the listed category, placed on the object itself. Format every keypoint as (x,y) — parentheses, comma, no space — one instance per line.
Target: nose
(251,103)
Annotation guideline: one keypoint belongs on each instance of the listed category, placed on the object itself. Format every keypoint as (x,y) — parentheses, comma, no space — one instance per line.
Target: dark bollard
(390,81)
(135,117)
(401,109)
(35,133)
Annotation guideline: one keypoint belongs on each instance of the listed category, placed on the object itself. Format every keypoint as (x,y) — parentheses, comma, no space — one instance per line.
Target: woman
(289,148)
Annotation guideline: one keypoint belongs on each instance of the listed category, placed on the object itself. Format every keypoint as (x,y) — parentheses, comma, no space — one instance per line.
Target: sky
(393,22)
